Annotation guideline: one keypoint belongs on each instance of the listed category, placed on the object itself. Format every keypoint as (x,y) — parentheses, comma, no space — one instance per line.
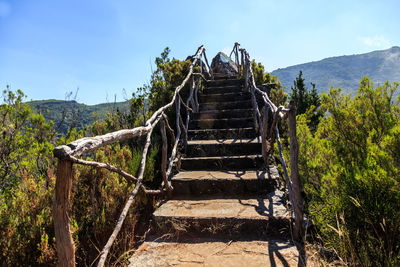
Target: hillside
(345,71)
(74,111)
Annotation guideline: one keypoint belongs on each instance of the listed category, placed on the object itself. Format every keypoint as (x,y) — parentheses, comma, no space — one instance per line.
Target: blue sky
(51,47)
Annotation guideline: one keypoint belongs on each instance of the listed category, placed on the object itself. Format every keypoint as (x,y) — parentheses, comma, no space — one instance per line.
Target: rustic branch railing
(68,155)
(239,63)
(267,137)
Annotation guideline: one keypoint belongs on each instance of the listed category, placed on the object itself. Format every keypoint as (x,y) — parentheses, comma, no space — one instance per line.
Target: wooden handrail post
(61,208)
(264,140)
(164,156)
(294,173)
(246,73)
(242,62)
(196,99)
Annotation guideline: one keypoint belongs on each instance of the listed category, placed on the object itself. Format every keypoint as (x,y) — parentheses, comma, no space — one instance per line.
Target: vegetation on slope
(349,166)
(349,162)
(27,177)
(346,71)
(70,114)
(350,171)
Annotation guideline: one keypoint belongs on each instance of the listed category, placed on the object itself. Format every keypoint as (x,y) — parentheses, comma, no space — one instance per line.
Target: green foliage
(307,101)
(277,94)
(28,180)
(26,184)
(164,80)
(351,173)
(68,115)
(27,173)
(168,75)
(98,197)
(138,104)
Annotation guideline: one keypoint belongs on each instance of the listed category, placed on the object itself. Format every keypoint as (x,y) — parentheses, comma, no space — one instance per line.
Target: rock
(221,63)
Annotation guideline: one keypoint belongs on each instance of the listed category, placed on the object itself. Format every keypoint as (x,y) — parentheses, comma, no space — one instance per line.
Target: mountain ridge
(73,112)
(345,71)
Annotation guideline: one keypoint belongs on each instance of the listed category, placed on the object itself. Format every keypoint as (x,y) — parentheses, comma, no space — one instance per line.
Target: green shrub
(26,184)
(350,171)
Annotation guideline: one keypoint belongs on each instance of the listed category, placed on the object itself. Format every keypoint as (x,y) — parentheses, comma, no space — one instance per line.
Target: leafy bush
(26,184)
(27,177)
(350,171)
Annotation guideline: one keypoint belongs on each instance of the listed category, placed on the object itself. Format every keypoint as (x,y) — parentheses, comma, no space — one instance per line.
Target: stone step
(222,162)
(222,123)
(223,114)
(225,82)
(226,147)
(217,253)
(227,183)
(226,105)
(224,76)
(228,217)
(220,134)
(224,97)
(222,89)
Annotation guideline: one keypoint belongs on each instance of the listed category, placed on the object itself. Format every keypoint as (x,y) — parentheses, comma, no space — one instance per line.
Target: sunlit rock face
(221,63)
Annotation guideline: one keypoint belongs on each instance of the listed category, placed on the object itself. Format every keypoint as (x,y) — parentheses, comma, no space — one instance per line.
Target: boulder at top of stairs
(221,63)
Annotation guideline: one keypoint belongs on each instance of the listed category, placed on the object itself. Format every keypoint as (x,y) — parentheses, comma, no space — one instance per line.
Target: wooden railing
(269,132)
(69,154)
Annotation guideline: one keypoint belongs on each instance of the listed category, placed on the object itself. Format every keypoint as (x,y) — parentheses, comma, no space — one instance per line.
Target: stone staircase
(226,208)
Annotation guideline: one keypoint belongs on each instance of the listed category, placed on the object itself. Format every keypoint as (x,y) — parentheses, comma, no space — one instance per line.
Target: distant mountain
(345,71)
(83,114)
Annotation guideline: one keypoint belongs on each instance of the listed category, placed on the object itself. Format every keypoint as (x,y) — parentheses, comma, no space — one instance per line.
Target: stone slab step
(222,89)
(221,123)
(222,76)
(225,82)
(197,252)
(224,97)
(223,114)
(225,217)
(227,147)
(222,162)
(229,183)
(226,105)
(220,134)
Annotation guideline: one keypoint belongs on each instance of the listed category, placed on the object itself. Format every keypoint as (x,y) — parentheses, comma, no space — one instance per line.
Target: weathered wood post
(164,157)
(264,134)
(196,99)
(242,62)
(294,173)
(246,73)
(61,207)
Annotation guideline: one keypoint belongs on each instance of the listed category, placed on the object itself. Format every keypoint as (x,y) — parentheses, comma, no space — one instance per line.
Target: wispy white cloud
(5,9)
(377,41)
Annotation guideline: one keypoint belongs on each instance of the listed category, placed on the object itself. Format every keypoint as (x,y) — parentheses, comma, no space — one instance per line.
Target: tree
(306,101)
(26,184)
(350,169)
(169,73)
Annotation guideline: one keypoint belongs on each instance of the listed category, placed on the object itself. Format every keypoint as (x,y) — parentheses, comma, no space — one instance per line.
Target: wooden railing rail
(236,49)
(69,154)
(268,137)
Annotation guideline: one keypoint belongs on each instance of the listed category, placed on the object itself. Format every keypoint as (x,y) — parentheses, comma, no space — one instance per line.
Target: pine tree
(307,101)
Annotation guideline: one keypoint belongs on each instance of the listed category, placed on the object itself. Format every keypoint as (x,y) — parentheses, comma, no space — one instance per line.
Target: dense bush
(27,176)
(26,184)
(350,170)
